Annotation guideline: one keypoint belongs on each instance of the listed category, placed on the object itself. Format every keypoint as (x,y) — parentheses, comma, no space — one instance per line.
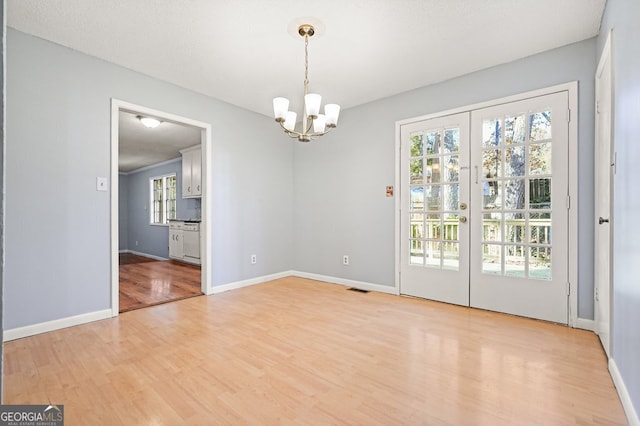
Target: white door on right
(519,208)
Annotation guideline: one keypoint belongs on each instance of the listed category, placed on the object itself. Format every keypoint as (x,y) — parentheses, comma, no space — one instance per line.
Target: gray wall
(339,189)
(151,239)
(58,226)
(623,16)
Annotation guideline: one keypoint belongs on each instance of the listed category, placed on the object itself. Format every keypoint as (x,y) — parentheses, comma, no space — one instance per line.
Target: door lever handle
(602,220)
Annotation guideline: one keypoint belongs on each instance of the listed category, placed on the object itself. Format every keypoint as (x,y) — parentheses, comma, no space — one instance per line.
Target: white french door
(434,193)
(490,228)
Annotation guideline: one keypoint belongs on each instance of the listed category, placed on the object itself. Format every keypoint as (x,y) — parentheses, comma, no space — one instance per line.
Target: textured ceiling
(242,52)
(246,52)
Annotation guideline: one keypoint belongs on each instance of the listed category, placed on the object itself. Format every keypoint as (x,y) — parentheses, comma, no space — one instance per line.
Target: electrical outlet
(345,259)
(254,259)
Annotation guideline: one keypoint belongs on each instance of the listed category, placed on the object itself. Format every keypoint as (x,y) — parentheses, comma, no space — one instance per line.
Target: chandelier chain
(306,64)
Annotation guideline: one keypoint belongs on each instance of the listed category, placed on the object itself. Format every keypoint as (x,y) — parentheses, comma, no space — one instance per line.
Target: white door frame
(206,225)
(572,89)
(605,291)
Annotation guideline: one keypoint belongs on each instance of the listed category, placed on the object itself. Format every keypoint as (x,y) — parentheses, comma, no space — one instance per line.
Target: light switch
(101,184)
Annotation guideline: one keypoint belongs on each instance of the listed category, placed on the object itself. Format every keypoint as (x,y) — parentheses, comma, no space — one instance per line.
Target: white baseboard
(625,398)
(150,256)
(43,327)
(350,283)
(247,283)
(585,324)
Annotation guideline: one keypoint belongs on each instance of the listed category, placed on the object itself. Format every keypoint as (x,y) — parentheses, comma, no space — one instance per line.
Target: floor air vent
(359,290)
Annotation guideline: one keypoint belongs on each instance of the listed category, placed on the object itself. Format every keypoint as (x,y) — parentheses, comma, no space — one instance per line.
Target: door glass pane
(416,145)
(492,227)
(492,259)
(540,263)
(514,194)
(540,228)
(540,126)
(416,252)
(491,132)
(492,198)
(432,143)
(417,198)
(432,254)
(451,168)
(514,129)
(433,170)
(540,193)
(514,227)
(515,263)
(451,256)
(417,171)
(514,161)
(540,159)
(491,163)
(451,140)
(451,226)
(451,196)
(434,197)
(434,226)
(417,225)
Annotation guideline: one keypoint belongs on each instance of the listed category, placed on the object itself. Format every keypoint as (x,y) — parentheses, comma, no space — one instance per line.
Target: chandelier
(314,124)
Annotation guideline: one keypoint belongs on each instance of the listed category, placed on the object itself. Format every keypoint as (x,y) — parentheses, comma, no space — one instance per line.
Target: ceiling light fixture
(150,122)
(311,117)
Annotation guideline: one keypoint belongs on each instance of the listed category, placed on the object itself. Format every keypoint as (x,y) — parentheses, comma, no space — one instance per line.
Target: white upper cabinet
(191,172)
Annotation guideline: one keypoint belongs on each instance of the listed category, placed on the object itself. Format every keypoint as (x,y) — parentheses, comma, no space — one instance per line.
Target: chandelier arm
(309,126)
(314,135)
(290,133)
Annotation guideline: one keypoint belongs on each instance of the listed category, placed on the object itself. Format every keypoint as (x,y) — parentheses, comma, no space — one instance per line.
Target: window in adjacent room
(163,199)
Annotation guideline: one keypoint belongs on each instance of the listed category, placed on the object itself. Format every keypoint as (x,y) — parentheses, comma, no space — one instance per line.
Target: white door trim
(207,195)
(572,89)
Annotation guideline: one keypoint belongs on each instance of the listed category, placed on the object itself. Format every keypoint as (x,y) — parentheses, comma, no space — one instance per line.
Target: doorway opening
(151,167)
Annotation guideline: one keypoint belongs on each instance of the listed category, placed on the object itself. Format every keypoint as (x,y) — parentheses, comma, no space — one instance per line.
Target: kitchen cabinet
(184,241)
(191,172)
(176,240)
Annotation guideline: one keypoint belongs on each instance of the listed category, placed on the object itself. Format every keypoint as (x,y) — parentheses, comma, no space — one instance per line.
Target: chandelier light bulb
(319,124)
(332,111)
(312,104)
(290,121)
(280,108)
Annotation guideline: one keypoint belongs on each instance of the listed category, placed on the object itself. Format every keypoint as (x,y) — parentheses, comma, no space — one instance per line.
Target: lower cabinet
(184,241)
(176,240)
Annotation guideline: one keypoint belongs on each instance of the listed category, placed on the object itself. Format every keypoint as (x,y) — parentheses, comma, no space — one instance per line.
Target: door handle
(463,219)
(602,220)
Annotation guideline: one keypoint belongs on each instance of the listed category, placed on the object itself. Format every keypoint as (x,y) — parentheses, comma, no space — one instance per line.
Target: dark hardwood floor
(148,282)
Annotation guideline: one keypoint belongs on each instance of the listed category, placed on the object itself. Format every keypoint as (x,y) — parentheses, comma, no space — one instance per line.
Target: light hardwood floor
(147,282)
(305,352)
